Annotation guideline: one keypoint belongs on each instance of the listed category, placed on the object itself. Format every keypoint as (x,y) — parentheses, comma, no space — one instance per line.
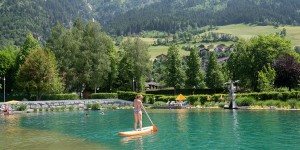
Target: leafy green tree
(39,74)
(134,65)
(214,76)
(287,71)
(85,56)
(174,76)
(8,65)
(194,72)
(29,44)
(251,56)
(266,78)
(99,50)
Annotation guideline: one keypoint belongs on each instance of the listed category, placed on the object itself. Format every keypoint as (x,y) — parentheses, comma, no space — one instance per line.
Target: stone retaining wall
(75,103)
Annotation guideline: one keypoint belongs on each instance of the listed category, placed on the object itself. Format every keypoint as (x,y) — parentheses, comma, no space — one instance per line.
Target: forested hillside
(19,17)
(174,15)
(123,17)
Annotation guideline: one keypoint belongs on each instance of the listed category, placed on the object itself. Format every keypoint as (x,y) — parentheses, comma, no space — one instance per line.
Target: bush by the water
(292,103)
(88,105)
(95,106)
(21,107)
(245,101)
(104,96)
(130,96)
(159,103)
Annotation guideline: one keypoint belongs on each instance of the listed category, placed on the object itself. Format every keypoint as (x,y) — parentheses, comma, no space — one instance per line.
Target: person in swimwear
(138,106)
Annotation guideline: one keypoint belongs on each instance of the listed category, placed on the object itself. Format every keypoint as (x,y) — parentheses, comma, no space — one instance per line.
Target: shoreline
(54,105)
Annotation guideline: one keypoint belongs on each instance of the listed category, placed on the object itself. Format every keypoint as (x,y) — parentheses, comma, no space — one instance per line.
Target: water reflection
(137,141)
(236,125)
(182,120)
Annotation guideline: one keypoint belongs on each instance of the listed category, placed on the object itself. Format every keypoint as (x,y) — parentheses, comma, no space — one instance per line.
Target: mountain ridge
(125,17)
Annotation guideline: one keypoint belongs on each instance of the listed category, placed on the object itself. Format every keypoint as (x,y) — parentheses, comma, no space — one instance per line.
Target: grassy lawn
(157,50)
(248,31)
(241,30)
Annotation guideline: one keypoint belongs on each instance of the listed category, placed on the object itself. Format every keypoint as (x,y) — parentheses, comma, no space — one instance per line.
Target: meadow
(245,31)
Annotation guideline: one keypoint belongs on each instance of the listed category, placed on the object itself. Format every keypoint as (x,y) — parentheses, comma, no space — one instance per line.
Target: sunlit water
(178,129)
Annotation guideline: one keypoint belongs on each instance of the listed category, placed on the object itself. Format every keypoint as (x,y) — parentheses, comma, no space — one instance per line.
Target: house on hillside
(161,57)
(220,48)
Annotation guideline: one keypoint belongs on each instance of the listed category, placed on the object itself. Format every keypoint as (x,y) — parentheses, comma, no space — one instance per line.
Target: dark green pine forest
(125,17)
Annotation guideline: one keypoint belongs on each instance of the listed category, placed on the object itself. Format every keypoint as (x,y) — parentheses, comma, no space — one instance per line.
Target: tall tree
(135,64)
(194,71)
(174,76)
(99,48)
(8,65)
(214,76)
(287,70)
(266,78)
(29,44)
(39,73)
(251,56)
(84,56)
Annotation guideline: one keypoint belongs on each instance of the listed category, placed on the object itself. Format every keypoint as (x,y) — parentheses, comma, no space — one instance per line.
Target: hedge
(104,96)
(130,96)
(60,97)
(187,91)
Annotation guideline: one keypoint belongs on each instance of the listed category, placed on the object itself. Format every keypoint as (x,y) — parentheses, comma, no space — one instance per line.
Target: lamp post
(4,88)
(194,87)
(132,84)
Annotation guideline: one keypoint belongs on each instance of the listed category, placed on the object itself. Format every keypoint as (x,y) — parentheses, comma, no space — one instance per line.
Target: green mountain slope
(37,16)
(174,15)
(123,17)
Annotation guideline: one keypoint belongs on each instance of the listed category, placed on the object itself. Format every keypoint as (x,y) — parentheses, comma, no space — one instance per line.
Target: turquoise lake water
(178,129)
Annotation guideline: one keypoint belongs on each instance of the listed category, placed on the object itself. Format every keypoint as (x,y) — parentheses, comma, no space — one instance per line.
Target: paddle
(154,127)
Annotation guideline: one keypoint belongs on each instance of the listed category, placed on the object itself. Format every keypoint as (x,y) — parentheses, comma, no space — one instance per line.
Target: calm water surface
(178,129)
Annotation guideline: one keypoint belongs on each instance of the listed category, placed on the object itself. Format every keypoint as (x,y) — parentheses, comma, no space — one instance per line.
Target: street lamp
(132,84)
(4,88)
(194,87)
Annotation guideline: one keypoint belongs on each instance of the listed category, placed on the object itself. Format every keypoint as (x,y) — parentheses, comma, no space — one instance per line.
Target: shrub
(63,108)
(104,96)
(40,109)
(35,109)
(88,105)
(193,99)
(95,106)
(197,103)
(71,108)
(129,96)
(149,98)
(126,107)
(56,109)
(51,108)
(278,104)
(221,104)
(292,103)
(159,103)
(245,101)
(21,107)
(207,104)
(270,103)
(166,98)
(260,103)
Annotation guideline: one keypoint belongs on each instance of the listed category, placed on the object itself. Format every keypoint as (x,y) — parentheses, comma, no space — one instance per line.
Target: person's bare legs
(140,119)
(136,119)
